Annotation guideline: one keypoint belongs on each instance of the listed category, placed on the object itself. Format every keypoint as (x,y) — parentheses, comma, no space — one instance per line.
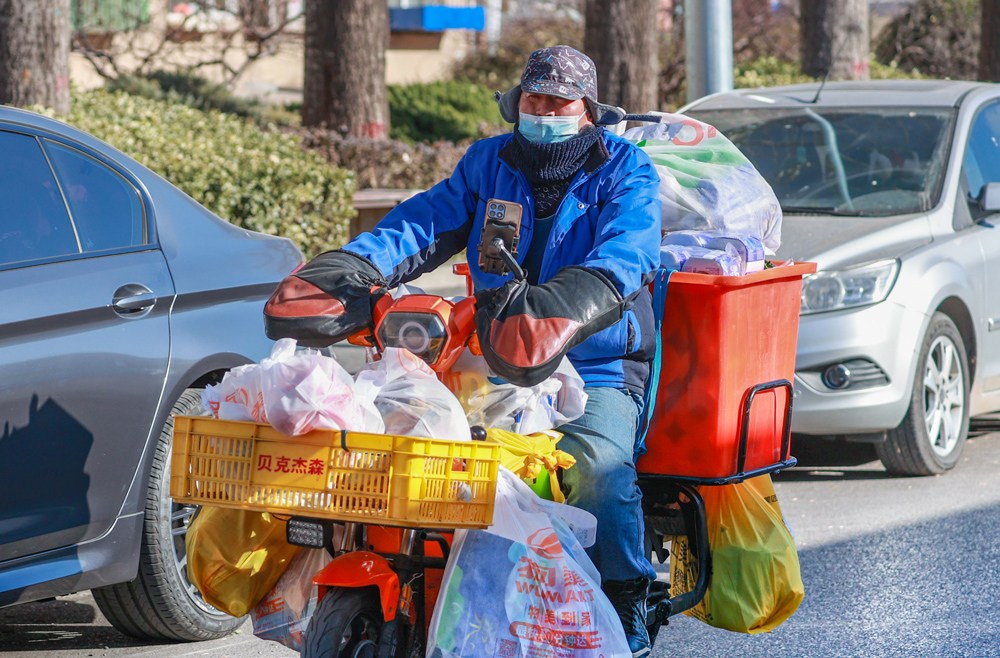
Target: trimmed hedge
(451,110)
(261,180)
(772,72)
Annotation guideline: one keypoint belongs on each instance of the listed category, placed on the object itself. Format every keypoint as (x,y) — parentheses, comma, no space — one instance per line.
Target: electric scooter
(377,592)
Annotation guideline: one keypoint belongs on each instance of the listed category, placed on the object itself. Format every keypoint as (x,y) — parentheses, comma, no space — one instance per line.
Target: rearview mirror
(989,197)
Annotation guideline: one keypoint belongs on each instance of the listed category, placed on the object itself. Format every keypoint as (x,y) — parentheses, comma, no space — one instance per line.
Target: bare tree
(140,42)
(621,37)
(834,38)
(938,38)
(34,53)
(344,85)
(989,45)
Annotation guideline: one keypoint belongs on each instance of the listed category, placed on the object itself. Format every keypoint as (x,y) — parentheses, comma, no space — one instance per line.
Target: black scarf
(550,167)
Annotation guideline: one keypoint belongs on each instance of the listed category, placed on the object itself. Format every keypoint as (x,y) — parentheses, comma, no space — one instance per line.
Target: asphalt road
(906,567)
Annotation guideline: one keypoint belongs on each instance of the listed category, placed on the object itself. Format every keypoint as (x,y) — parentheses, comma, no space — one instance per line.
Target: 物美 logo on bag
(545,543)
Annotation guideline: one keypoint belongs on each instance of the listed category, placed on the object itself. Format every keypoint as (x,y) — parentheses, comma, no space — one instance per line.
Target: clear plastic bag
(295,391)
(410,398)
(492,402)
(284,612)
(525,586)
(238,396)
(706,182)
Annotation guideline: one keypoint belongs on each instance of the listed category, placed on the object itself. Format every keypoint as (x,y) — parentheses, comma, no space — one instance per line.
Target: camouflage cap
(560,71)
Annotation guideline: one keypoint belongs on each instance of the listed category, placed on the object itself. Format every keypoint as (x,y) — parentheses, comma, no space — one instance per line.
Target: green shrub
(773,72)
(768,72)
(450,110)
(878,71)
(260,180)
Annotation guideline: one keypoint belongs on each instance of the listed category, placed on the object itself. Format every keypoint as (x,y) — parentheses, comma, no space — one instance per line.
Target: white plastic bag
(238,396)
(410,398)
(283,614)
(525,586)
(492,402)
(295,391)
(706,182)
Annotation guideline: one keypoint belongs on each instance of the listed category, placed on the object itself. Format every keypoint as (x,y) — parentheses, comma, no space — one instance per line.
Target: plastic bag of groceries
(534,458)
(295,391)
(410,398)
(235,556)
(284,613)
(492,402)
(525,586)
(706,182)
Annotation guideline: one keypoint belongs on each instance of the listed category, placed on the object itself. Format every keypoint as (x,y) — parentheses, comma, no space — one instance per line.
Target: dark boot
(629,600)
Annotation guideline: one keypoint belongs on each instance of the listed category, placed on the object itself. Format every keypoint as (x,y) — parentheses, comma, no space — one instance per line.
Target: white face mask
(548,129)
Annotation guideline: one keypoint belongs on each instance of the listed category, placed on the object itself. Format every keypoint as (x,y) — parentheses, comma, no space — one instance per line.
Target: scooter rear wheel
(347,624)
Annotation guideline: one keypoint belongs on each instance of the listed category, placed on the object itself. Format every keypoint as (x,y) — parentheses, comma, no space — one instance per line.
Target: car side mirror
(989,198)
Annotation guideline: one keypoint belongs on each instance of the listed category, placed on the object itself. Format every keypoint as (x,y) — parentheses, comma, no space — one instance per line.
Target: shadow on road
(825,459)
(828,459)
(51,625)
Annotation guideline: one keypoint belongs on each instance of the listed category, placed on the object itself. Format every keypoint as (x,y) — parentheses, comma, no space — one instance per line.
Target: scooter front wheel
(346,624)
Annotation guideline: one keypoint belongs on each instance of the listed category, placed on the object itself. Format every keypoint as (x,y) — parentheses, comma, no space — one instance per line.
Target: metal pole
(494,24)
(708,30)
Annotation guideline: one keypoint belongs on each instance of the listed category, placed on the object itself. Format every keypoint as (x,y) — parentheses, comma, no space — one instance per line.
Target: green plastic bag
(756,583)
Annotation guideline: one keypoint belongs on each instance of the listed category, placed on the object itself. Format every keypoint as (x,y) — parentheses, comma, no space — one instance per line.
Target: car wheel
(161,604)
(930,438)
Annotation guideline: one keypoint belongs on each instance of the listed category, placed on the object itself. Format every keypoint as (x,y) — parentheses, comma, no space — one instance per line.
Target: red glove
(525,330)
(328,299)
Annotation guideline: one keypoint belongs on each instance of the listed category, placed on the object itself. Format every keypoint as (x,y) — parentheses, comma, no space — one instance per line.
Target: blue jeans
(603,481)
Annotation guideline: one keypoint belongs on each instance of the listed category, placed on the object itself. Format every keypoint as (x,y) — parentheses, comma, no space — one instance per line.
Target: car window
(850,160)
(34,223)
(106,208)
(981,163)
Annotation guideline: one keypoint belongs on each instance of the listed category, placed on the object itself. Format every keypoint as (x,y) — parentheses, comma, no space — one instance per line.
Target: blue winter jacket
(609,220)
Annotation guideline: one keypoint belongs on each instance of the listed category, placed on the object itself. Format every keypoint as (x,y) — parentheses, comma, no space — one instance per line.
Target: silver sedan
(120,298)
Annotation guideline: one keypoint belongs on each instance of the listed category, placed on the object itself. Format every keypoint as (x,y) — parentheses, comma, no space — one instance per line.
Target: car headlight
(856,286)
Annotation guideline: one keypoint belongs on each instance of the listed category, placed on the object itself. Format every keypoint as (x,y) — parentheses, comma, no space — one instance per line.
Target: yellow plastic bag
(756,583)
(534,459)
(235,557)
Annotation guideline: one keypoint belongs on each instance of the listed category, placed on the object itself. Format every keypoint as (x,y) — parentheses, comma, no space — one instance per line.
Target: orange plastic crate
(722,336)
(346,476)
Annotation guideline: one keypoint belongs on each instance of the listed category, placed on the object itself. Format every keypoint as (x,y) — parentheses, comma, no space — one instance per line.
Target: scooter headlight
(423,334)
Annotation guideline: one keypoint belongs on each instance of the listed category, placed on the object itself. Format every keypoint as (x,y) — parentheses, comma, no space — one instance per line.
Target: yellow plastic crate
(347,476)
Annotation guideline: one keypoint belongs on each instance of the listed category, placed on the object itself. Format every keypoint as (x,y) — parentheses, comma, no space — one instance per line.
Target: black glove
(326,301)
(525,330)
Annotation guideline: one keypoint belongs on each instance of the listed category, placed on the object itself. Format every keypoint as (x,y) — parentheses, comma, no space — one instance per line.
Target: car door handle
(133,298)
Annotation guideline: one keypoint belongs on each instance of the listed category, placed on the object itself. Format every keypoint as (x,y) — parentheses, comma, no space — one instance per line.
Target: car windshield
(849,161)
